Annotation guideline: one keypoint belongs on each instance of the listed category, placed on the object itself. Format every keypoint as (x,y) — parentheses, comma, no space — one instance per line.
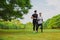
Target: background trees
(10,9)
(53,22)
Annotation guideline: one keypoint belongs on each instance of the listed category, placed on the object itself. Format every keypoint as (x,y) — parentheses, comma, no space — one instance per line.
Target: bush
(11,25)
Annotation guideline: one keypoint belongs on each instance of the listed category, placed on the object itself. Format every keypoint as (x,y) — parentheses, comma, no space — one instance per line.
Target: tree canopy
(10,9)
(53,22)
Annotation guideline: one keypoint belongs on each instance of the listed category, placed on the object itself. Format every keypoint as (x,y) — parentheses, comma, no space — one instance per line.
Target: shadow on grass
(1,38)
(28,31)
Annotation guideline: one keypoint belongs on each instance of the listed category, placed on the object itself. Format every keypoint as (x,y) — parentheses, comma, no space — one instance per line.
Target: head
(40,14)
(35,11)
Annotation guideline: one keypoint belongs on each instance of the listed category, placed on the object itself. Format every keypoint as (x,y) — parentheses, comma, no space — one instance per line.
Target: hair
(40,13)
(35,11)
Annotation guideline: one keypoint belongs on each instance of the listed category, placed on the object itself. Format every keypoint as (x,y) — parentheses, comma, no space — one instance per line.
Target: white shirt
(40,20)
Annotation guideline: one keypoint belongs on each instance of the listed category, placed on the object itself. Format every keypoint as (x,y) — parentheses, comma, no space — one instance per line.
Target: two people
(37,21)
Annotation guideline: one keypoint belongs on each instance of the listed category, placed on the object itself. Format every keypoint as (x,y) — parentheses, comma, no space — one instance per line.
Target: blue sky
(48,8)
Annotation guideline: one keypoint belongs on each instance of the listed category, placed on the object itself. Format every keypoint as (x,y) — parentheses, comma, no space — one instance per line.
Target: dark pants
(35,26)
(41,27)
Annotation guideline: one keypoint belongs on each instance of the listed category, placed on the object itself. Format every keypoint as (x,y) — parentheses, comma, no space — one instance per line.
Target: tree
(53,22)
(10,9)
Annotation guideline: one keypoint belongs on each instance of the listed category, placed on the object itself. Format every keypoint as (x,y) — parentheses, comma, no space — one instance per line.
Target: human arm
(33,17)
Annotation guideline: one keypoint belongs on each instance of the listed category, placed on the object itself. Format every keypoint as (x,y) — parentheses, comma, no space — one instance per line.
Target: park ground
(23,34)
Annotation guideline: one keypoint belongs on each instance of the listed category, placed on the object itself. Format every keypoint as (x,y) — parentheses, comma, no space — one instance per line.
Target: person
(35,22)
(40,21)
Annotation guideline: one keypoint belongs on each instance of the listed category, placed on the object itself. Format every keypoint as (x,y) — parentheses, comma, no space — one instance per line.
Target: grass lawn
(48,34)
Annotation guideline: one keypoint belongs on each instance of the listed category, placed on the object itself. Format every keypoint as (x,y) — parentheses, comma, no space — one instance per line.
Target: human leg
(33,26)
(37,27)
(41,27)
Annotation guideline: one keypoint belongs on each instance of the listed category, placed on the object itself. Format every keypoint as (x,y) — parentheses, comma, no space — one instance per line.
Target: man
(40,21)
(35,22)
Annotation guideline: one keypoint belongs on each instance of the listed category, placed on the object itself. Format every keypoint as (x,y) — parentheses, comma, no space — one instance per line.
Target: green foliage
(29,25)
(14,8)
(53,22)
(14,24)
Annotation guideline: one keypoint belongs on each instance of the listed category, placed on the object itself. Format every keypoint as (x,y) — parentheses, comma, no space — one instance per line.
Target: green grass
(27,34)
